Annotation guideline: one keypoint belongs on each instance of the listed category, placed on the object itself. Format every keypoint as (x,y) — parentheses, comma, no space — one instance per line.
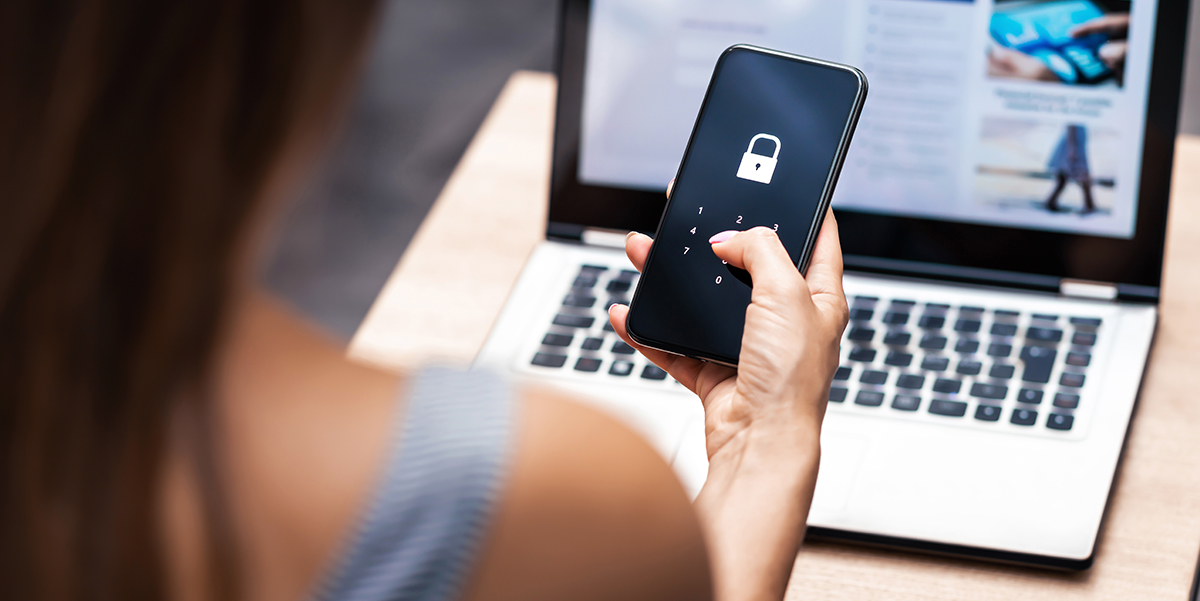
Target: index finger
(1109,24)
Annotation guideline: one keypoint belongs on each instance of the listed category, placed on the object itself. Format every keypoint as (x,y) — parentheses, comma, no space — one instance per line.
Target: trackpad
(840,458)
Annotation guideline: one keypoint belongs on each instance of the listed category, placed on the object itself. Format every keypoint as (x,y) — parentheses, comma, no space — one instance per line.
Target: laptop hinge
(605,238)
(1087,289)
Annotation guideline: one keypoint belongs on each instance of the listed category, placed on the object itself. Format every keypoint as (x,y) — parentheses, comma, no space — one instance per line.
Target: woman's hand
(790,345)
(762,420)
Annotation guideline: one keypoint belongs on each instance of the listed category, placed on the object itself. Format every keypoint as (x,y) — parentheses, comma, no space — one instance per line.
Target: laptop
(1003,230)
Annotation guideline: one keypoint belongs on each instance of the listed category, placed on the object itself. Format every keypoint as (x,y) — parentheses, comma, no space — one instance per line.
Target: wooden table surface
(450,285)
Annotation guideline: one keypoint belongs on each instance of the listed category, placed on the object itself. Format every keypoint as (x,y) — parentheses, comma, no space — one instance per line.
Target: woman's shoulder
(581,505)
(589,510)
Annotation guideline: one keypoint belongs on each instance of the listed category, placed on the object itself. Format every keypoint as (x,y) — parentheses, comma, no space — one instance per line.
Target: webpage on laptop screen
(1016,113)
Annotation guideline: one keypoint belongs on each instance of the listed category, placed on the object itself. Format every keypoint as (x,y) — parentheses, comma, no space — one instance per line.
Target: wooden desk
(451,283)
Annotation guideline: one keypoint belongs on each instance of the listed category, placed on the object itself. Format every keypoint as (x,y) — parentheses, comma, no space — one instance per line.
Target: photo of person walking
(1058,172)
(1069,162)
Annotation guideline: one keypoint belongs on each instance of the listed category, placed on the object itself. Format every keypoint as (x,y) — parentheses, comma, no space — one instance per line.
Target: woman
(170,431)
(1069,162)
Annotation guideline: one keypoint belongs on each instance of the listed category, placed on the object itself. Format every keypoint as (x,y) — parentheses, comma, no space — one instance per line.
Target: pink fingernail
(723,236)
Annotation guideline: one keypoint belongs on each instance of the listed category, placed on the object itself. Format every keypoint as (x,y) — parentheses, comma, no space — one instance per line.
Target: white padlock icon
(756,167)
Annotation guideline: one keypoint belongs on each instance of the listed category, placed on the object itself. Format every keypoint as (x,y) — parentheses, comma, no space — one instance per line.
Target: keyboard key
(619,347)
(1045,317)
(871,376)
(608,326)
(969,367)
(862,355)
(1006,313)
(869,398)
(628,275)
(619,286)
(592,344)
(842,373)
(903,304)
(936,307)
(999,350)
(1083,339)
(549,360)
(895,318)
(933,342)
(620,368)
(932,322)
(1029,396)
(1058,421)
(995,392)
(584,281)
(1071,380)
(1004,329)
(1023,417)
(558,340)
(837,395)
(910,381)
(1079,359)
(1044,334)
(1086,321)
(970,309)
(587,364)
(947,386)
(987,413)
(582,301)
(574,321)
(898,359)
(866,299)
(969,326)
(1039,362)
(861,314)
(1002,371)
(594,268)
(966,347)
(906,402)
(1066,400)
(950,408)
(897,338)
(861,334)
(652,372)
(935,363)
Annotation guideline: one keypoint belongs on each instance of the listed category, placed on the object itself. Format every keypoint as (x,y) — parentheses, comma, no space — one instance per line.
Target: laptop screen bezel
(930,248)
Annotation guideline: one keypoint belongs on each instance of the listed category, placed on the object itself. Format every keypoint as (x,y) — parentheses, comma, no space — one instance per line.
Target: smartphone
(766,150)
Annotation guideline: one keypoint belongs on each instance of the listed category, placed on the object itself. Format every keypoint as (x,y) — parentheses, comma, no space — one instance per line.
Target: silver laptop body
(978,411)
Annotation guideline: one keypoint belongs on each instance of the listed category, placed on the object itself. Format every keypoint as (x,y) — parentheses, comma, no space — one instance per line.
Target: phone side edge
(835,171)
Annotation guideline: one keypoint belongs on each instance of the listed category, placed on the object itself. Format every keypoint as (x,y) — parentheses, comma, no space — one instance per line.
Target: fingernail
(723,236)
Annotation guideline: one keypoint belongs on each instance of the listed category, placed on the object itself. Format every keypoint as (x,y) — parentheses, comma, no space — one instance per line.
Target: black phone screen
(765,151)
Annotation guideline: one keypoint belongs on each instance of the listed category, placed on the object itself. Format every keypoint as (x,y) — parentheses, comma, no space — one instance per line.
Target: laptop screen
(1022,114)
(1009,141)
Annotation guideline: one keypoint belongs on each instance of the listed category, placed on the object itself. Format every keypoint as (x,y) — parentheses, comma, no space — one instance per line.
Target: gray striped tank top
(421,534)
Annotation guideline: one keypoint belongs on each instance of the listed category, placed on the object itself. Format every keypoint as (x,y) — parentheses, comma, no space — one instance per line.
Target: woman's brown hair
(136,140)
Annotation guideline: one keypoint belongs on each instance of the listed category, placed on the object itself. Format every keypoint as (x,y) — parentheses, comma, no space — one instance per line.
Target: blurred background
(433,73)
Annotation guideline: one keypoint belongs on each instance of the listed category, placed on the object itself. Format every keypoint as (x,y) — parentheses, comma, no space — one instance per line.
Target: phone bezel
(822,206)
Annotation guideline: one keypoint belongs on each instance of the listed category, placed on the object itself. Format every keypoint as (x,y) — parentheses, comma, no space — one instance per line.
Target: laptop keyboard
(966,363)
(991,367)
(581,339)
